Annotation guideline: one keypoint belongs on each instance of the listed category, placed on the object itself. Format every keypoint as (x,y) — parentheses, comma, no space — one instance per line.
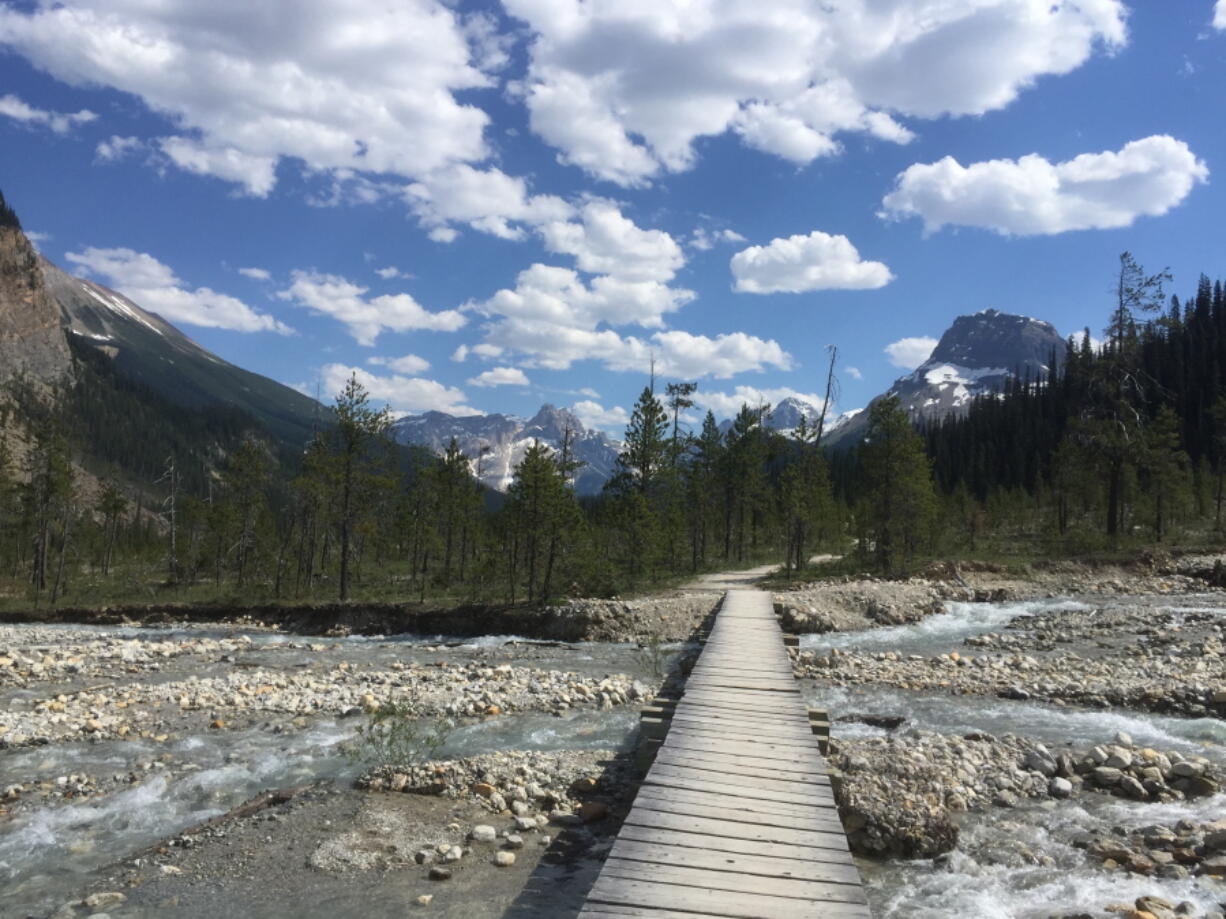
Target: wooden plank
(729,813)
(736,882)
(808,811)
(760,789)
(725,845)
(655,895)
(716,860)
(678,739)
(750,769)
(746,735)
(737,829)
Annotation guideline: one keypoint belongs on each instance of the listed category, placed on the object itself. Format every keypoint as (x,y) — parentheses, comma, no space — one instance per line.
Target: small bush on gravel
(394,735)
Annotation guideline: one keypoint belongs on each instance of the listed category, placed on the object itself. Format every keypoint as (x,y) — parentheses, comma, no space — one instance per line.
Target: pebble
(504,859)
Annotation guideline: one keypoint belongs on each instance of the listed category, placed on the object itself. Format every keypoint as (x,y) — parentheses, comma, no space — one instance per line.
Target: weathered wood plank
(736,882)
(808,814)
(722,903)
(737,829)
(745,863)
(728,767)
(725,845)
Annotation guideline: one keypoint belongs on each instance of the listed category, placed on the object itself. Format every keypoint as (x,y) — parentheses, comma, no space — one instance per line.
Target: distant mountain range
(496,443)
(41,306)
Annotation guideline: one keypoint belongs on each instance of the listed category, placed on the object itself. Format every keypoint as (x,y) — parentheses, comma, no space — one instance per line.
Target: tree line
(118,495)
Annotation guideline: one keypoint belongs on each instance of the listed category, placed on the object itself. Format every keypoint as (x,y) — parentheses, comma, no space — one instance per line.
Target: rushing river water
(53,849)
(992,874)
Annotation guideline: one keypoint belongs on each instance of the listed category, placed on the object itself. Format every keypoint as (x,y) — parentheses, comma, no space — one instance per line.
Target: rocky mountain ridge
(496,443)
(977,355)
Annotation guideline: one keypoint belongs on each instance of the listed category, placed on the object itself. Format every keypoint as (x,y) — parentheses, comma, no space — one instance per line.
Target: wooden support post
(791,641)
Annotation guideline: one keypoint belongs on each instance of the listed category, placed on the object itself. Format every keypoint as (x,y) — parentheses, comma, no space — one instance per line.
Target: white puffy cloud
(361,85)
(727,404)
(501,376)
(403,394)
(854,373)
(1031,196)
(409,363)
(365,317)
(488,200)
(547,293)
(624,89)
(59,122)
(909,353)
(256,274)
(391,272)
(797,264)
(703,239)
(115,148)
(1219,15)
(153,286)
(595,415)
(257,174)
(603,241)
(675,353)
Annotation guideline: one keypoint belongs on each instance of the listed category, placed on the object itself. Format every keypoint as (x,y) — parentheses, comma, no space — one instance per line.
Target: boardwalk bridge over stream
(735,818)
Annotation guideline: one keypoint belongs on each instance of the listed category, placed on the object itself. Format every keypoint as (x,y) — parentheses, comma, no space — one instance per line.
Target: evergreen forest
(110,494)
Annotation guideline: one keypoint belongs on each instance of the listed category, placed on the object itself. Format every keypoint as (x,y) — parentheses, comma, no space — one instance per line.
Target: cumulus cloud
(703,239)
(153,286)
(257,174)
(256,274)
(1032,196)
(797,264)
(409,363)
(1219,15)
(854,373)
(623,91)
(58,122)
(550,294)
(909,353)
(366,318)
(391,272)
(603,241)
(595,415)
(727,404)
(402,393)
(487,200)
(361,85)
(500,376)
(116,148)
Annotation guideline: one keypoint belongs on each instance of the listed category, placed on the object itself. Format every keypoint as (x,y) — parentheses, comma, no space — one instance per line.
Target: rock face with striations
(976,356)
(31,338)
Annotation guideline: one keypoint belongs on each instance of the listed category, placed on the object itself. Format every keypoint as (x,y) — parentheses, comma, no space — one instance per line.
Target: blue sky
(483,207)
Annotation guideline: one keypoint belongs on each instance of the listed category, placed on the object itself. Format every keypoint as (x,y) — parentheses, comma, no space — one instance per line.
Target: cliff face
(32,338)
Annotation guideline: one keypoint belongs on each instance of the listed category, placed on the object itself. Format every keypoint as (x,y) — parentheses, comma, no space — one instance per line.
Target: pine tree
(646,444)
(898,501)
(358,467)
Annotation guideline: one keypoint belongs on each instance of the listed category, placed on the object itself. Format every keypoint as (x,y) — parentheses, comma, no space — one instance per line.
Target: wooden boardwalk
(735,817)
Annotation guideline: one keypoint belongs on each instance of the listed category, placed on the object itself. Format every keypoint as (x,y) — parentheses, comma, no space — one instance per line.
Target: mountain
(32,342)
(977,355)
(147,349)
(505,438)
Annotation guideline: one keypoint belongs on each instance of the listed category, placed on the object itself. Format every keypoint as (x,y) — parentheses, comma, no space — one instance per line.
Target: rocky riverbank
(853,603)
(213,703)
(666,617)
(900,796)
